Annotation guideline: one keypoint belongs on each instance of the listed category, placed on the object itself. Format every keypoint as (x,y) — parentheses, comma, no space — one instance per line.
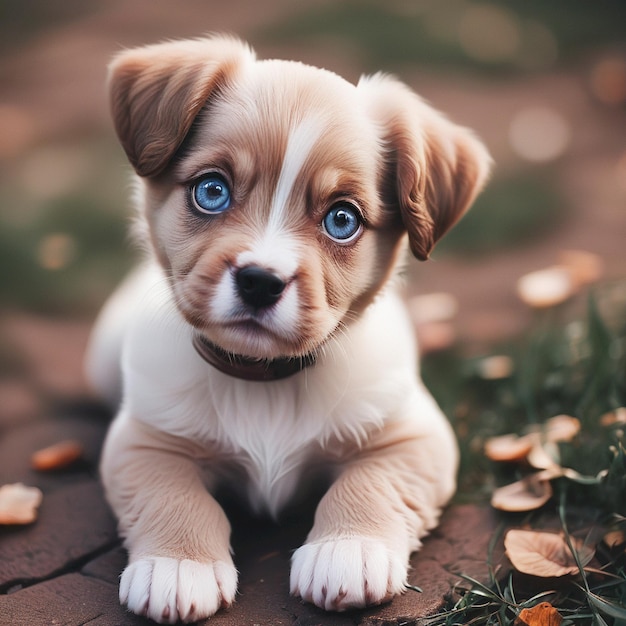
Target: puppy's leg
(180,567)
(370,520)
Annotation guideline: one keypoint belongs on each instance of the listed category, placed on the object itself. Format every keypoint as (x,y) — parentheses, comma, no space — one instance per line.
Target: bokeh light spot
(608,81)
(489,33)
(56,251)
(539,134)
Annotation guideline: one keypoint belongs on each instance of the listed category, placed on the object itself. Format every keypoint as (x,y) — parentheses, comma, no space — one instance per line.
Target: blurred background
(543,83)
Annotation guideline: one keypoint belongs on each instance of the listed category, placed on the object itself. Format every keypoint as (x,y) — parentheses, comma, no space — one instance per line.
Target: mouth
(282,330)
(253,330)
(246,368)
(251,335)
(249,325)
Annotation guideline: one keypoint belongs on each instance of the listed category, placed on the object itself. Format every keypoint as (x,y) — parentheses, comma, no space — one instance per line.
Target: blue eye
(211,194)
(342,223)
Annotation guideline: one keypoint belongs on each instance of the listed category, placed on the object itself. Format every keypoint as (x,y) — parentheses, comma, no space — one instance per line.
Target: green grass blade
(606,607)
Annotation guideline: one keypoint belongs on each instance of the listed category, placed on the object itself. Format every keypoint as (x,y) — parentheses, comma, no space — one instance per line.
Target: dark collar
(246,368)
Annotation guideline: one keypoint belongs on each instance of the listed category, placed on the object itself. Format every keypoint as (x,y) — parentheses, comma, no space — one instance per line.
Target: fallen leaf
(57,456)
(19,503)
(543,614)
(508,448)
(617,416)
(544,455)
(544,554)
(561,428)
(614,538)
(527,494)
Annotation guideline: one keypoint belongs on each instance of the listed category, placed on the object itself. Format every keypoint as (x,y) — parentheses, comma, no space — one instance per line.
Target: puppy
(264,337)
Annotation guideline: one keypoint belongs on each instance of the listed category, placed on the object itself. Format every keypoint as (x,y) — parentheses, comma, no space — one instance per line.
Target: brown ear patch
(157,91)
(454,175)
(434,167)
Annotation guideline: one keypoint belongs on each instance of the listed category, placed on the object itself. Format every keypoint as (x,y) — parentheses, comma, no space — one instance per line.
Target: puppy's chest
(273,435)
(274,432)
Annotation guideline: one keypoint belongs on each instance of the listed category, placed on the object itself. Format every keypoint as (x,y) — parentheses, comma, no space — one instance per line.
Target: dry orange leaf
(508,448)
(19,503)
(527,494)
(617,416)
(544,554)
(614,538)
(543,614)
(57,456)
(544,456)
(561,428)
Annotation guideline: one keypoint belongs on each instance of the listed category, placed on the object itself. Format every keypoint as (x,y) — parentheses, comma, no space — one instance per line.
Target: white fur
(225,300)
(168,590)
(301,141)
(271,429)
(346,573)
(274,250)
(102,359)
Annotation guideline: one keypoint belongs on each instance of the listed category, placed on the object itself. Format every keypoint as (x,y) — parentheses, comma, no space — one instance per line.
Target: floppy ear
(433,168)
(157,91)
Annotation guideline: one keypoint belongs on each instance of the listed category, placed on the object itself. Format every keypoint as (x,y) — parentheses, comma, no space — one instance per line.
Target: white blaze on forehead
(275,248)
(300,144)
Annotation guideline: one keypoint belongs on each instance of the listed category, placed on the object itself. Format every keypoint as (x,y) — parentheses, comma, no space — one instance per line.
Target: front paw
(168,590)
(347,573)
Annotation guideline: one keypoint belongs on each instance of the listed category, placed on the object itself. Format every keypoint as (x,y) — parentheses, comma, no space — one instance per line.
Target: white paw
(347,573)
(168,590)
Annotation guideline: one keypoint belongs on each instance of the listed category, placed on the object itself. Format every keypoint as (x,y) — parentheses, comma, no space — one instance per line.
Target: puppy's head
(277,195)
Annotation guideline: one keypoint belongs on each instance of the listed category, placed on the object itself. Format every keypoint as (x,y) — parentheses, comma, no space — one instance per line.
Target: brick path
(63,569)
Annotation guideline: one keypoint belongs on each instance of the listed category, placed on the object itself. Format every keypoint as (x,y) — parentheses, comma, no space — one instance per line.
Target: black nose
(258,287)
